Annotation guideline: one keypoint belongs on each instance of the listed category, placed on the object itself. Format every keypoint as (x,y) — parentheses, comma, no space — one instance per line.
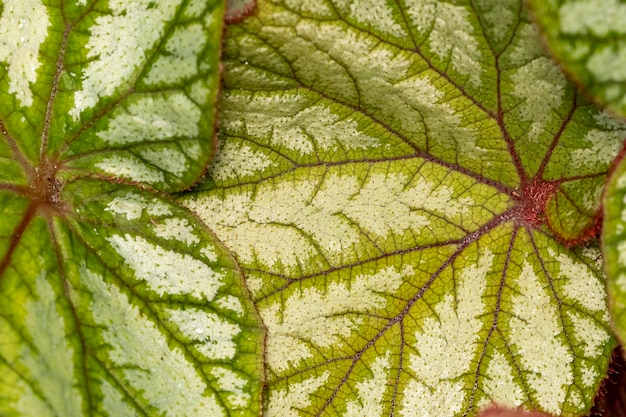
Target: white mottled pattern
(373,64)
(296,127)
(23,28)
(384,194)
(131,168)
(158,208)
(181,61)
(254,283)
(592,197)
(117,47)
(49,360)
(261,227)
(317,316)
(604,145)
(131,206)
(605,66)
(176,229)
(588,374)
(499,384)
(170,160)
(575,399)
(195,8)
(214,333)
(140,352)
(287,402)
(594,254)
(200,92)
(450,35)
(315,7)
(608,121)
(444,399)
(29,402)
(498,16)
(598,17)
(446,345)
(526,45)
(231,221)
(209,251)
(592,337)
(541,87)
(153,119)
(581,284)
(371,390)
(621,245)
(376,14)
(166,271)
(387,85)
(312,209)
(229,381)
(237,161)
(443,124)
(114,403)
(536,339)
(231,303)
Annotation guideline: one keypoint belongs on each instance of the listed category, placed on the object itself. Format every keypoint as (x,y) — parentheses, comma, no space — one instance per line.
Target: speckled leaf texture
(395,179)
(614,247)
(589,38)
(114,300)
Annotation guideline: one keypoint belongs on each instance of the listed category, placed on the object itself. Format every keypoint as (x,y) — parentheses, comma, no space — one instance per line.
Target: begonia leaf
(397,180)
(114,300)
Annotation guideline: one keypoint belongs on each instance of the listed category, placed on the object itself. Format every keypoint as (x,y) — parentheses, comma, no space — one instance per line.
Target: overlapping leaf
(395,179)
(614,248)
(589,38)
(113,299)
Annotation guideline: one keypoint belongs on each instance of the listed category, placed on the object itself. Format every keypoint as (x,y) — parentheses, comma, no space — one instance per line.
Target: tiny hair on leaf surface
(611,399)
(403,184)
(588,38)
(114,299)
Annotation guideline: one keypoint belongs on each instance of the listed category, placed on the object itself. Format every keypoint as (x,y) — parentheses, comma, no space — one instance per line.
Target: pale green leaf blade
(588,37)
(395,179)
(127,307)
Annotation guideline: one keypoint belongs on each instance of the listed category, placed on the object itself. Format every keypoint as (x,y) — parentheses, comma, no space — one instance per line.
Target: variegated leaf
(396,179)
(114,300)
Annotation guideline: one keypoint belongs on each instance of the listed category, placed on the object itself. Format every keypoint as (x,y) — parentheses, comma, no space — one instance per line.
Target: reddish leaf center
(533,200)
(46,188)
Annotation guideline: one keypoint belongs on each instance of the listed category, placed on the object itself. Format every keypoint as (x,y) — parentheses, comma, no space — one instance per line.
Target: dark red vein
(53,94)
(473,237)
(78,325)
(15,238)
(494,323)
(17,152)
(557,137)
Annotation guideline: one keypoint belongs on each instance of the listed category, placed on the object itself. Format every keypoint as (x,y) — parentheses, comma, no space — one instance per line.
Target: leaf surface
(114,300)
(614,248)
(589,38)
(395,179)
